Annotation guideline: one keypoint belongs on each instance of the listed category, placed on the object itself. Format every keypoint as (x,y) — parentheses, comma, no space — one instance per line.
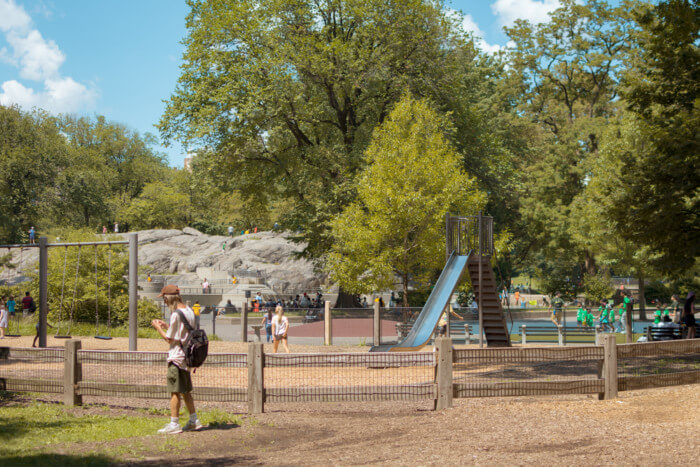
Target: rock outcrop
(271,254)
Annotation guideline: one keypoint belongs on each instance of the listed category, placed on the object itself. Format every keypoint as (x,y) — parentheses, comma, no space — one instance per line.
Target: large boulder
(273,255)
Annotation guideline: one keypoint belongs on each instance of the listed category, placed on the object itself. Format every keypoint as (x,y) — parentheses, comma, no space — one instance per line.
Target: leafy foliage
(395,228)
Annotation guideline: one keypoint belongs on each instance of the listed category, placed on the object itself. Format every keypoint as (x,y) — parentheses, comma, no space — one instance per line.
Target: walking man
(32,236)
(557,307)
(179,381)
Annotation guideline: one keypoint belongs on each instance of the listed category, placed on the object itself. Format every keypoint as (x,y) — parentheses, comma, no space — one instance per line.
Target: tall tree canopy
(284,96)
(395,227)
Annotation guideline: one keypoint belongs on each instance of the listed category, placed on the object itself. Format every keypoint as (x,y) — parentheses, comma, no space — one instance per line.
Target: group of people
(613,319)
(606,316)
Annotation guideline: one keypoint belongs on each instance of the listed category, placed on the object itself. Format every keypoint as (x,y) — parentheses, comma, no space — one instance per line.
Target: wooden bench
(663,333)
(545,333)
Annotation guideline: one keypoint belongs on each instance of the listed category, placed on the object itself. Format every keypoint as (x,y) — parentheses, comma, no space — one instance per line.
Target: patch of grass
(218,418)
(27,431)
(27,328)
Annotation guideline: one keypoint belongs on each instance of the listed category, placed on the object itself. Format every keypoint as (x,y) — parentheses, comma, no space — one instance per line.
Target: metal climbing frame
(43,245)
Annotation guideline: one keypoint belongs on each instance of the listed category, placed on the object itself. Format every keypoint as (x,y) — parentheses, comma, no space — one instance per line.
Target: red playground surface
(343,327)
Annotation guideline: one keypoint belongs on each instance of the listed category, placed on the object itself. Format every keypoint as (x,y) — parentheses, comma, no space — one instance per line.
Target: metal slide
(429,316)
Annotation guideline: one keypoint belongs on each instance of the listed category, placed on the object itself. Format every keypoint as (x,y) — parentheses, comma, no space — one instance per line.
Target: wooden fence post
(72,374)
(609,372)
(244,322)
(598,336)
(256,390)
(327,318)
(443,373)
(377,334)
(467,333)
(523,334)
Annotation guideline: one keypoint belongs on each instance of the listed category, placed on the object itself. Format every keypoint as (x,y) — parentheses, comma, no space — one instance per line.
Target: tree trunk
(642,299)
(347,300)
(589,263)
(405,290)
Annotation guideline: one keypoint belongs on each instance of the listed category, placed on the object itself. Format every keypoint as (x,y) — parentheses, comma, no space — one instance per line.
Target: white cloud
(535,11)
(59,95)
(13,17)
(38,60)
(469,25)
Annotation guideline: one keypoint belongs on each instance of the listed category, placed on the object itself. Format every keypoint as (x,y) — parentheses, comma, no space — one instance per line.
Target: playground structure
(43,245)
(469,244)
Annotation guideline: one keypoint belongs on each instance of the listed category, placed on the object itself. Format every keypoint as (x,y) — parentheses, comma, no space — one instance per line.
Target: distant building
(187,163)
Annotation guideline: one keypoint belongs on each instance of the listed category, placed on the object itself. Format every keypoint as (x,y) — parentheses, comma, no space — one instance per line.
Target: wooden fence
(258,379)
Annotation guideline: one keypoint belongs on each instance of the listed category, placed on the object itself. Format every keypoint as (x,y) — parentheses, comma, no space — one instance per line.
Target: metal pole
(448,242)
(43,289)
(213,320)
(133,290)
(481,309)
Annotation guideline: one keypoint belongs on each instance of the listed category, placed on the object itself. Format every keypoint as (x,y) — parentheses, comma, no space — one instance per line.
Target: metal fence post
(133,291)
(609,367)
(43,288)
(377,328)
(443,373)
(213,320)
(523,334)
(256,381)
(328,328)
(244,323)
(560,335)
(72,374)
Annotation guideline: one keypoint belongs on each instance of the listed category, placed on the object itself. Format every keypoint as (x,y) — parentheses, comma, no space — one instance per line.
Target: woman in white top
(280,324)
(3,319)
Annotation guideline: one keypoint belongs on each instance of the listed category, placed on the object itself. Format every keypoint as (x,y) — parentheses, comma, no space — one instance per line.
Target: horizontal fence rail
(657,364)
(258,378)
(527,371)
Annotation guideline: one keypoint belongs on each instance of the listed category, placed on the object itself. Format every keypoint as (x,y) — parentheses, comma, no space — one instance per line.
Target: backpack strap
(184,320)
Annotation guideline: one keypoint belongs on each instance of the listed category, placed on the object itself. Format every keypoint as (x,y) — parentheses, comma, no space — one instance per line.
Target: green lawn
(28,328)
(39,433)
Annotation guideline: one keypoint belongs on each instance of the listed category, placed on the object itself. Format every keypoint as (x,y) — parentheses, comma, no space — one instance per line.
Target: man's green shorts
(178,380)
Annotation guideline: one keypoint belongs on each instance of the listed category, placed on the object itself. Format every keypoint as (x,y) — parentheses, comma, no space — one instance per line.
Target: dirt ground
(649,427)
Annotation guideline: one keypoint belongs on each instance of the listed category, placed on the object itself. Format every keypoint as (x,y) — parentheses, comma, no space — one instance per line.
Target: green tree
(655,202)
(567,71)
(596,287)
(395,227)
(284,96)
(159,206)
(31,153)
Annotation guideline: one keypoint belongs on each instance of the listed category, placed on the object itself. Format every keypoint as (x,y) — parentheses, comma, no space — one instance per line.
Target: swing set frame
(43,245)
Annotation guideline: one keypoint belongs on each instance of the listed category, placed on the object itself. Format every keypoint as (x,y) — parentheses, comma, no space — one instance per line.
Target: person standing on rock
(230,231)
(205,286)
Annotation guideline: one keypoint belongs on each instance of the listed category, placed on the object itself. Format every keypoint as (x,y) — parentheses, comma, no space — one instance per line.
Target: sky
(121,58)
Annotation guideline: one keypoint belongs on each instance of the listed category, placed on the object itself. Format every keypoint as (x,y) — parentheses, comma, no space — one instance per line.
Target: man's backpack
(196,345)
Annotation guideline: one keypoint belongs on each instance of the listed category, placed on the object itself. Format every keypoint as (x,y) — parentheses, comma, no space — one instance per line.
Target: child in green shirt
(589,318)
(580,317)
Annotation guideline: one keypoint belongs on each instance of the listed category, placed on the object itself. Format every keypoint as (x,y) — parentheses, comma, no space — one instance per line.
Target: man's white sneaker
(192,426)
(171,429)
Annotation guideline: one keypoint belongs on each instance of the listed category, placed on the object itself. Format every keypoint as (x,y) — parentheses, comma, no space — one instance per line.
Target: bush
(596,287)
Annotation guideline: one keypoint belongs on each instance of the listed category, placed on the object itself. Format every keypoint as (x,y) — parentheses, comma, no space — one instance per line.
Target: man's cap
(170,289)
